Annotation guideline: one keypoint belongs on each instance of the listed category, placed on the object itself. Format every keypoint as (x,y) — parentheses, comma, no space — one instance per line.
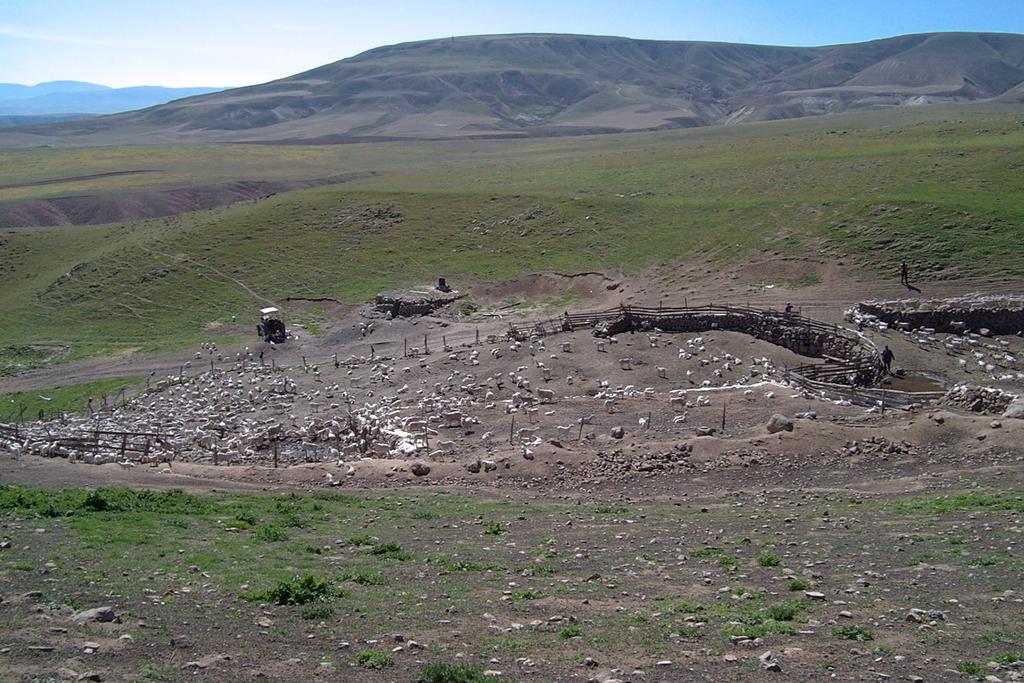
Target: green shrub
(570,632)
(768,560)
(363,539)
(798,584)
(373,659)
(320,610)
(389,551)
(443,672)
(269,533)
(1007,658)
(299,590)
(851,632)
(727,562)
(784,611)
(495,528)
(365,577)
(971,668)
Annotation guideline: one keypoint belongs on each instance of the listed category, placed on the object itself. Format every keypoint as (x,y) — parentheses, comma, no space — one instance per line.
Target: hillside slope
(515,85)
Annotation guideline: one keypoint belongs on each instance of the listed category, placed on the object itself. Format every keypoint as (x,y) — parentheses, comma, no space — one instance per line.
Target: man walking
(904,274)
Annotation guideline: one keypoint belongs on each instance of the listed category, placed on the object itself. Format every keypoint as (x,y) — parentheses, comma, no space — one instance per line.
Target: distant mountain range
(78,98)
(523,85)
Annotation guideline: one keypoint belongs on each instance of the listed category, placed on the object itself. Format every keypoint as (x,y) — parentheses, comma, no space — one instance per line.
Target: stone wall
(998,315)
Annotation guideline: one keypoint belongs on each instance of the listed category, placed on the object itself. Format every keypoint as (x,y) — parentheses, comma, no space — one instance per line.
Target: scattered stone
(420,469)
(618,432)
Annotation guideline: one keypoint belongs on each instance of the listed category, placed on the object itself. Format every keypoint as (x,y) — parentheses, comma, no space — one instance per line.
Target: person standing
(904,273)
(887,358)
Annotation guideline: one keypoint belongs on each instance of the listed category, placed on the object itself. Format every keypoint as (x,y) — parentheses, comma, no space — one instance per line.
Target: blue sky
(241,42)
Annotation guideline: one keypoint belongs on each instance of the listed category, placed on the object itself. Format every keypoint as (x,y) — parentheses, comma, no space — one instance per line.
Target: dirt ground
(878,513)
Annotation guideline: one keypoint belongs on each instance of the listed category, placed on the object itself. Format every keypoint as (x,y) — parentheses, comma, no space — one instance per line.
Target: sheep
(677,401)
(609,405)
(564,431)
(452,419)
(546,395)
(626,363)
(531,414)
(446,446)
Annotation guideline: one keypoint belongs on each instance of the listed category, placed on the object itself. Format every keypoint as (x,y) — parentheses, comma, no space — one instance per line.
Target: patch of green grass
(365,577)
(798,584)
(495,528)
(363,539)
(1007,658)
(299,590)
(570,632)
(971,668)
(727,562)
(71,398)
(450,566)
(526,594)
(940,505)
(373,659)
(610,510)
(445,672)
(75,502)
(853,632)
(768,560)
(269,533)
(803,281)
(317,611)
(389,551)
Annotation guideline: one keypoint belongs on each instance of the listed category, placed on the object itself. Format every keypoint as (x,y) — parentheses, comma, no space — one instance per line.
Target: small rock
(814,595)
(420,469)
(618,432)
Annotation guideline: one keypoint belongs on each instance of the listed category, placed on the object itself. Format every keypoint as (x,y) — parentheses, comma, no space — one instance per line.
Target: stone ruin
(987,315)
(409,303)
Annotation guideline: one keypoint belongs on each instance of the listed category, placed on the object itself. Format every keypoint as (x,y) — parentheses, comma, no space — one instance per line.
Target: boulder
(1015,410)
(420,469)
(618,432)
(704,431)
(101,614)
(779,423)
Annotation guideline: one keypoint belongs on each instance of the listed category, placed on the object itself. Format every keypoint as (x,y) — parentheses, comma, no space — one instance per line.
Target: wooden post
(336,364)
(405,348)
(425,349)
(275,454)
(579,437)
(273,364)
(124,444)
(478,336)
(145,449)
(512,428)
(648,420)
(723,416)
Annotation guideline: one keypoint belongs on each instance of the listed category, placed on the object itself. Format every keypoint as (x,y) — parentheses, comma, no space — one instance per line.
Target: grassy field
(938,187)
(71,398)
(386,585)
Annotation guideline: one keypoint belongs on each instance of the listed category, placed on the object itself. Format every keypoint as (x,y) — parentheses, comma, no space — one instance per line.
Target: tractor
(271,328)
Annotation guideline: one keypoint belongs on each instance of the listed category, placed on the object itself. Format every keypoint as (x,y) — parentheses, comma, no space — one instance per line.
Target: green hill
(542,84)
(942,192)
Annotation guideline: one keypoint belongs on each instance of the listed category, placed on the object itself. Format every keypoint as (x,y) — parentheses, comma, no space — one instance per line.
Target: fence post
(511,428)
